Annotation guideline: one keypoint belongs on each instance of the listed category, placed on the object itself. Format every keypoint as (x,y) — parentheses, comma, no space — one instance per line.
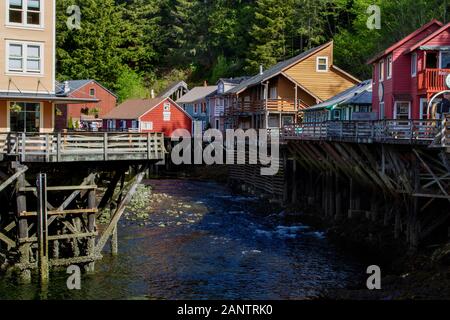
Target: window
(445,59)
(389,67)
(25,58)
(402,110)
(92,92)
(25,12)
(382,115)
(111,124)
(123,124)
(287,120)
(381,70)
(414,64)
(147,125)
(25,117)
(322,64)
(203,107)
(273,93)
(195,109)
(336,115)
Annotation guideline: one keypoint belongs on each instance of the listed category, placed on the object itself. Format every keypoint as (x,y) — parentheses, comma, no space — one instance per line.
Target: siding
(323,84)
(3,117)
(178,119)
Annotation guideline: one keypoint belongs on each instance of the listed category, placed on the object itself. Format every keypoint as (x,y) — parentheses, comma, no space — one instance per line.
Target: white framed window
(381,70)
(25,13)
(414,64)
(273,93)
(389,67)
(111,124)
(147,125)
(24,57)
(402,110)
(322,64)
(336,115)
(195,108)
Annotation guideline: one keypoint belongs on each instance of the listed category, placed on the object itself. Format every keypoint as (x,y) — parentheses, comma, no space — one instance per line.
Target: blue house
(196,104)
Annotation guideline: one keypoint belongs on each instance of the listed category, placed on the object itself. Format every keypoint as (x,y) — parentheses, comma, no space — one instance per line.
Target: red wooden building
(148,115)
(410,72)
(84,115)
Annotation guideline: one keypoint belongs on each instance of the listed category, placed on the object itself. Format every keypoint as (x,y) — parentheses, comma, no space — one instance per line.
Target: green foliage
(130,86)
(129,45)
(70,124)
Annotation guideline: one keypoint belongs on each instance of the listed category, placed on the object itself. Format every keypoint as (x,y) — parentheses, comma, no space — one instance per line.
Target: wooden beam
(118,213)
(13,178)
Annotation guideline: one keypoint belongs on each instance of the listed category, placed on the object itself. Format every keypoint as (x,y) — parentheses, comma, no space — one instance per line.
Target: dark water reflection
(201,242)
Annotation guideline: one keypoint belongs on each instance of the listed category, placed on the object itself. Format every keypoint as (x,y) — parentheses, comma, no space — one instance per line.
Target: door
(432,60)
(25,117)
(402,110)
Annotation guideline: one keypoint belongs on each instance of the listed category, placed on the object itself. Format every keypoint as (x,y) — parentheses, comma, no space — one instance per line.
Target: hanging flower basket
(15,108)
(58,112)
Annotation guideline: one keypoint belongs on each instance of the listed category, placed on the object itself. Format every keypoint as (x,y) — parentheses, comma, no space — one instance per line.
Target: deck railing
(432,80)
(70,147)
(271,105)
(388,131)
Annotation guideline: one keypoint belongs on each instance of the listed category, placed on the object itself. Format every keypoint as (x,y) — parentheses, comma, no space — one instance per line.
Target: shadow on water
(203,242)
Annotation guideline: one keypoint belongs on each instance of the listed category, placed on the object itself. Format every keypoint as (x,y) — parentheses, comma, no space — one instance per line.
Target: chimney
(66,87)
(205,83)
(152,93)
(261,69)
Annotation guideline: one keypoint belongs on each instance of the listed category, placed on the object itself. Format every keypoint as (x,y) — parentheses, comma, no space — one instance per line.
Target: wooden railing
(432,80)
(389,131)
(272,105)
(70,147)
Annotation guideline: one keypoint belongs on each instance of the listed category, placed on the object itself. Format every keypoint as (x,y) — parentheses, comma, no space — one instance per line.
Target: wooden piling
(92,204)
(24,247)
(42,229)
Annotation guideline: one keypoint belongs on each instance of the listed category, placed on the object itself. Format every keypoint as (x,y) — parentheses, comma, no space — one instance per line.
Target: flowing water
(200,241)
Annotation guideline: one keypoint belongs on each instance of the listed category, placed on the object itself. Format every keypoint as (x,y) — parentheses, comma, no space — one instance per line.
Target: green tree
(130,86)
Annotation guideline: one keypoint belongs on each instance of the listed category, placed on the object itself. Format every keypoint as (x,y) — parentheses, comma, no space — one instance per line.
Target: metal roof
(196,94)
(75,85)
(43,97)
(361,91)
(174,86)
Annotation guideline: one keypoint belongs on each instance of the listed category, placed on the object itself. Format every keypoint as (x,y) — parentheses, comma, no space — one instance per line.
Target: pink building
(410,72)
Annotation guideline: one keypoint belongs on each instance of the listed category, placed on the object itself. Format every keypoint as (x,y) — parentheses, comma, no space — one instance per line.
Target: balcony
(270,105)
(432,80)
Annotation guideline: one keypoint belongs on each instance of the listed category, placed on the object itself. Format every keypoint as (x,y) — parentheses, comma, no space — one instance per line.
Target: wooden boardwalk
(434,133)
(83,146)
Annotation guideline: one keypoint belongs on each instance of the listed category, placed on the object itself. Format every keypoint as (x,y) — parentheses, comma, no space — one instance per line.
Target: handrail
(402,131)
(83,146)
(432,80)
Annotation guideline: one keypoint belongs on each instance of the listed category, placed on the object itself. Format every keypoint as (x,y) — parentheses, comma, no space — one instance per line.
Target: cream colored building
(27,66)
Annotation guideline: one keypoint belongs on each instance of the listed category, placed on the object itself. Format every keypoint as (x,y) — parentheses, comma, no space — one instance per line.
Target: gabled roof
(133,109)
(277,69)
(361,90)
(196,94)
(174,86)
(404,40)
(234,81)
(430,37)
(75,85)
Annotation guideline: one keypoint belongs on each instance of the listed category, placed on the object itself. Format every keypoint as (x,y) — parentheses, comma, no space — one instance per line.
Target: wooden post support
(105,146)
(114,242)
(91,226)
(294,182)
(42,230)
(24,248)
